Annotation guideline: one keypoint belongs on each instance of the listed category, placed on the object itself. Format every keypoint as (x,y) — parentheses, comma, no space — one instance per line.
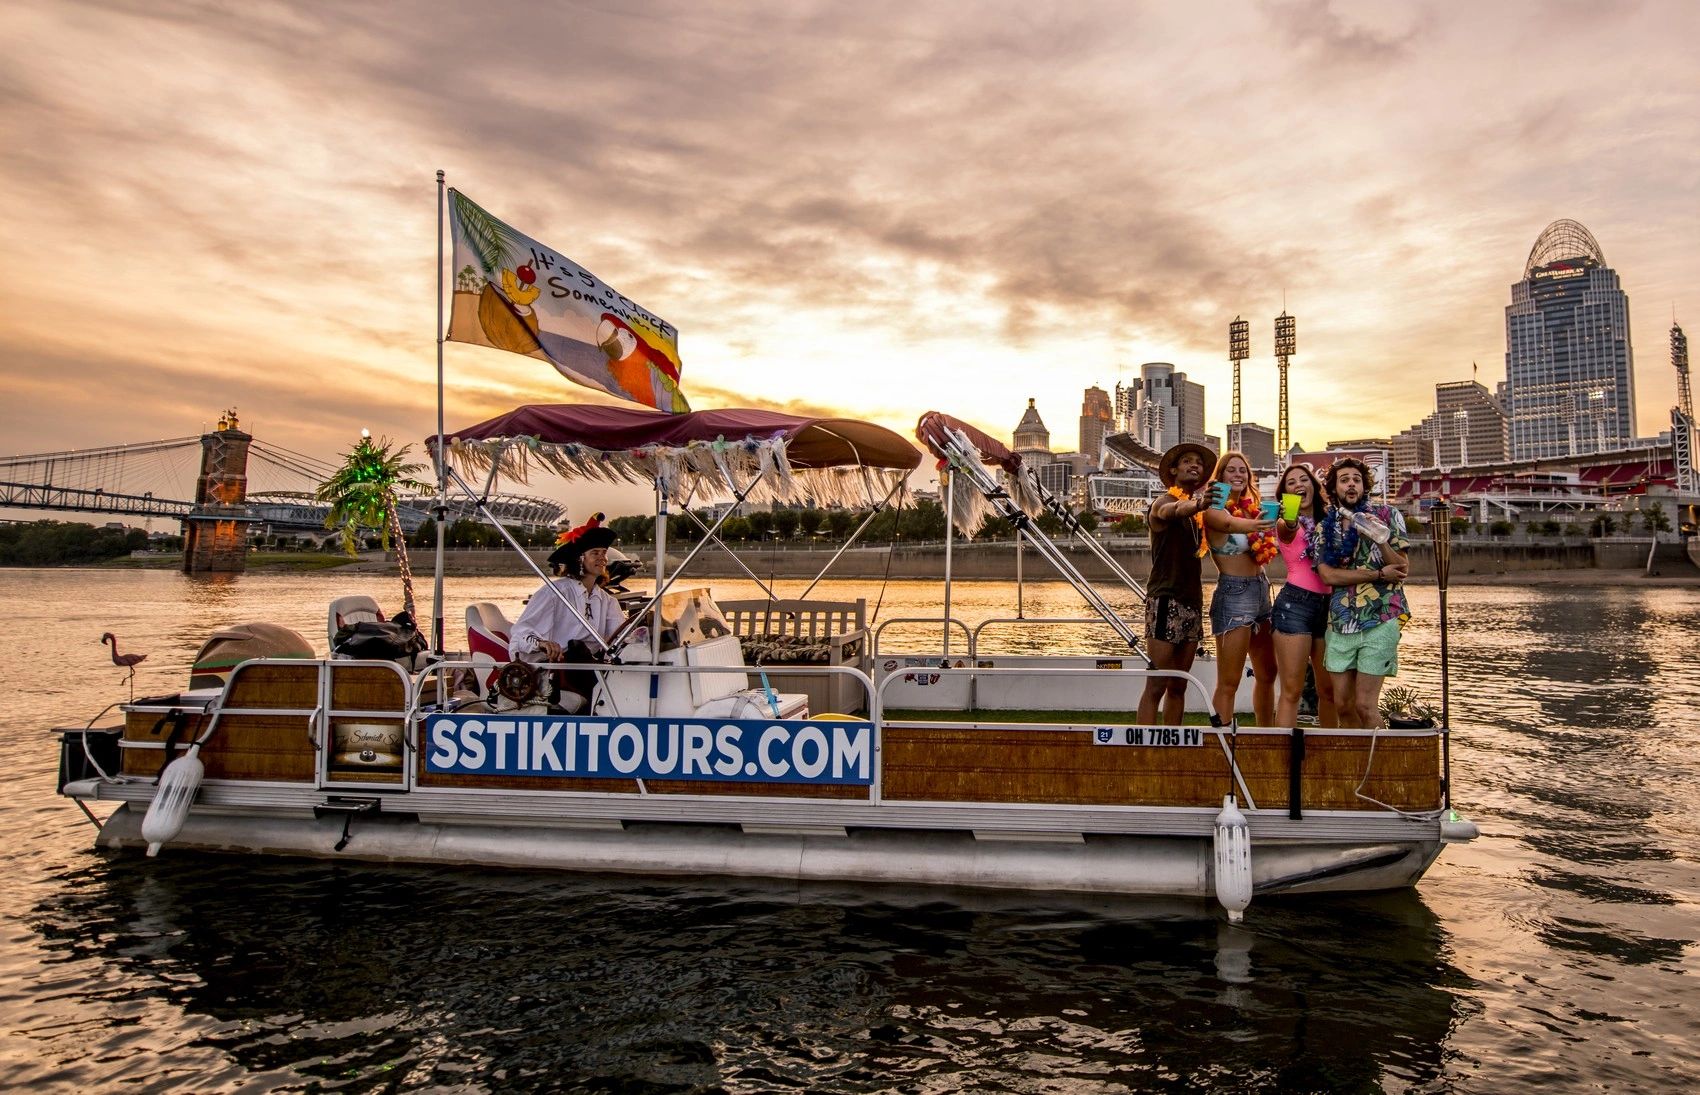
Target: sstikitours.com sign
(754,751)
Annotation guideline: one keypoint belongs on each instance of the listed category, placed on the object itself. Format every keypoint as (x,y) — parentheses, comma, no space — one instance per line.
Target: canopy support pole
(529,561)
(949,509)
(662,586)
(879,507)
(1020,589)
(960,453)
(1072,523)
(748,573)
(442,508)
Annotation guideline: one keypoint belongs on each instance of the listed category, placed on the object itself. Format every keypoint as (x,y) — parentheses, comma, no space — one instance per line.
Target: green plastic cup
(1289,508)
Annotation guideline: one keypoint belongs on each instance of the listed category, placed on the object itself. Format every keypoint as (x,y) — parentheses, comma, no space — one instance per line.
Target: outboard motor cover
(226,649)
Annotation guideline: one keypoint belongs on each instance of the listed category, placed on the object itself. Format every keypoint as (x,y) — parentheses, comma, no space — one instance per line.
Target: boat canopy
(971,505)
(934,430)
(834,461)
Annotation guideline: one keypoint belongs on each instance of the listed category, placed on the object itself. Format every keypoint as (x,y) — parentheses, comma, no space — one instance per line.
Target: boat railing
(944,621)
(423,689)
(1128,675)
(1048,621)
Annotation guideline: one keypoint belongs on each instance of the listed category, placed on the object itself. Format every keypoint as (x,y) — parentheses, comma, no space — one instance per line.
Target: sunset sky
(871,209)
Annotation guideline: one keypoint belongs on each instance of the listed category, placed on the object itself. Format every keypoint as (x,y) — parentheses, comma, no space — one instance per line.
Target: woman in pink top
(1301,609)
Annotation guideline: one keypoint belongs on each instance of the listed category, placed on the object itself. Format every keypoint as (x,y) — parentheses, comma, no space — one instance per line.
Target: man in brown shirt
(1174,592)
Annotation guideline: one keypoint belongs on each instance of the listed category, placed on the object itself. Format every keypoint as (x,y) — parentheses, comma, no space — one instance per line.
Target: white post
(660,572)
(1020,550)
(442,480)
(949,509)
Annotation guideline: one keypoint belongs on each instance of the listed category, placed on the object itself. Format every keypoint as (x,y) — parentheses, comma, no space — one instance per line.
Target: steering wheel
(518,682)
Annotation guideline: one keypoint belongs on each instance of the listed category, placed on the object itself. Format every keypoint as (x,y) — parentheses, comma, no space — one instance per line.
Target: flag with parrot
(513,293)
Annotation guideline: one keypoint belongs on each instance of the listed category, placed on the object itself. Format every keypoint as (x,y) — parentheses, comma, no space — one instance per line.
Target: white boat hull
(1158,866)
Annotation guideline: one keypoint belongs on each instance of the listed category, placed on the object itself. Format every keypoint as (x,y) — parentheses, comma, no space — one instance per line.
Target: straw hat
(1166,468)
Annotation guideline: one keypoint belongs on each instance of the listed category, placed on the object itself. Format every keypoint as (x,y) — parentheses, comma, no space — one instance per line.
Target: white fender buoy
(1455,829)
(171,799)
(1233,860)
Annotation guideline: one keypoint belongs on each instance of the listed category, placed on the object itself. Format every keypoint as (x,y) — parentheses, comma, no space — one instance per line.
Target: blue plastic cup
(1219,495)
(1269,510)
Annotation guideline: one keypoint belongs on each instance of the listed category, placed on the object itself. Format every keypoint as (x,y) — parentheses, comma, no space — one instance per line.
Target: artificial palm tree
(362,494)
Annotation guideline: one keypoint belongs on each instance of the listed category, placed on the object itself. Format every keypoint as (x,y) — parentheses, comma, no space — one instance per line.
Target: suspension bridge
(226,479)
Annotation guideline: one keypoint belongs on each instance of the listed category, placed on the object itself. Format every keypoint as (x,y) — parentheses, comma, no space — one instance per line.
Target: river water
(1558,950)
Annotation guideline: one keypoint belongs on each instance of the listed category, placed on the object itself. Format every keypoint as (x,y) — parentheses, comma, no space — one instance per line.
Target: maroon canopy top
(808,442)
(932,427)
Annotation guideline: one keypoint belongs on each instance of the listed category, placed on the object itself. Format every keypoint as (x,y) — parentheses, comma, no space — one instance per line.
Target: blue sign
(744,750)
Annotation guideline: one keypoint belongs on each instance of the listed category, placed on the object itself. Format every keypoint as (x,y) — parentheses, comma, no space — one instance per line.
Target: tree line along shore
(1487,562)
(897,544)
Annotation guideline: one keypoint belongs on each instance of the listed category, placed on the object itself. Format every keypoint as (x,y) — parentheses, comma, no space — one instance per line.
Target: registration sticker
(1148,735)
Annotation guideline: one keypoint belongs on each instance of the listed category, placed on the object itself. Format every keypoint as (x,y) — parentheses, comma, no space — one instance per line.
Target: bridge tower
(215,538)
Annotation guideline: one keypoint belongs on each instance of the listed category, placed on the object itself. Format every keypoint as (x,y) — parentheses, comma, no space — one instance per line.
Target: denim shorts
(1300,611)
(1238,602)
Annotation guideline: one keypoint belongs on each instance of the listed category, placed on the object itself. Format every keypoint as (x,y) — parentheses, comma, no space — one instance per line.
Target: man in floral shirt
(1361,552)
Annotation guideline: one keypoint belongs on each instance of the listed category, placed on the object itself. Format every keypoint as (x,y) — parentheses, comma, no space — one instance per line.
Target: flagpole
(442,481)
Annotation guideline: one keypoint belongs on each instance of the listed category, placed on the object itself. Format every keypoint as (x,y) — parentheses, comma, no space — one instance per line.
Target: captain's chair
(487,632)
(347,611)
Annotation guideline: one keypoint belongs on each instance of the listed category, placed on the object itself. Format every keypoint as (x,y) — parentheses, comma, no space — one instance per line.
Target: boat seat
(351,609)
(487,633)
(753,703)
(729,694)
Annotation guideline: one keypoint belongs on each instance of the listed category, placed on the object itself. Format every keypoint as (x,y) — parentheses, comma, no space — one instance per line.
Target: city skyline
(238,208)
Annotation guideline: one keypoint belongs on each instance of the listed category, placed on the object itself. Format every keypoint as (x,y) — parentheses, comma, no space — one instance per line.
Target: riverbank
(1590,563)
(286,562)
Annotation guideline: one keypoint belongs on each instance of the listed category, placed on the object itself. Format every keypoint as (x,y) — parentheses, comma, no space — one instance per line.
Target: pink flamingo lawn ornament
(126,661)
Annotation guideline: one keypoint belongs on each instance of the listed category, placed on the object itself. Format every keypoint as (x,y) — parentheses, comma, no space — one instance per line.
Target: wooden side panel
(266,747)
(245,746)
(288,684)
(366,688)
(155,726)
(1404,772)
(1065,767)
(260,747)
(953,764)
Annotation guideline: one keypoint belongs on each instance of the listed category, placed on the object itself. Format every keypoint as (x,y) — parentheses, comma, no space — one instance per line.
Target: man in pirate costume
(550,632)
(1174,592)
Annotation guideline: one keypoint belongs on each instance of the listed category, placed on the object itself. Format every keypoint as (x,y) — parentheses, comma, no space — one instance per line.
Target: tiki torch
(1440,526)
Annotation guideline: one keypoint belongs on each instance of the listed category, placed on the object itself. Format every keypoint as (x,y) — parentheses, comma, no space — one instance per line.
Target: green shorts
(1375,651)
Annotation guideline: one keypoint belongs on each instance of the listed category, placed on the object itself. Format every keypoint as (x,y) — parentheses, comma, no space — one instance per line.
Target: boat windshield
(690,616)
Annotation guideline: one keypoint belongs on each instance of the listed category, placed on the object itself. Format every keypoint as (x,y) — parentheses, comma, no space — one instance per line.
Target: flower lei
(1335,539)
(1198,519)
(1307,538)
(1263,546)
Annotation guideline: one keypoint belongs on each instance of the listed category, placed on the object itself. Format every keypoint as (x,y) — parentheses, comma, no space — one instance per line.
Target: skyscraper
(1256,442)
(1032,439)
(1569,370)
(1468,425)
(1097,419)
(1169,409)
